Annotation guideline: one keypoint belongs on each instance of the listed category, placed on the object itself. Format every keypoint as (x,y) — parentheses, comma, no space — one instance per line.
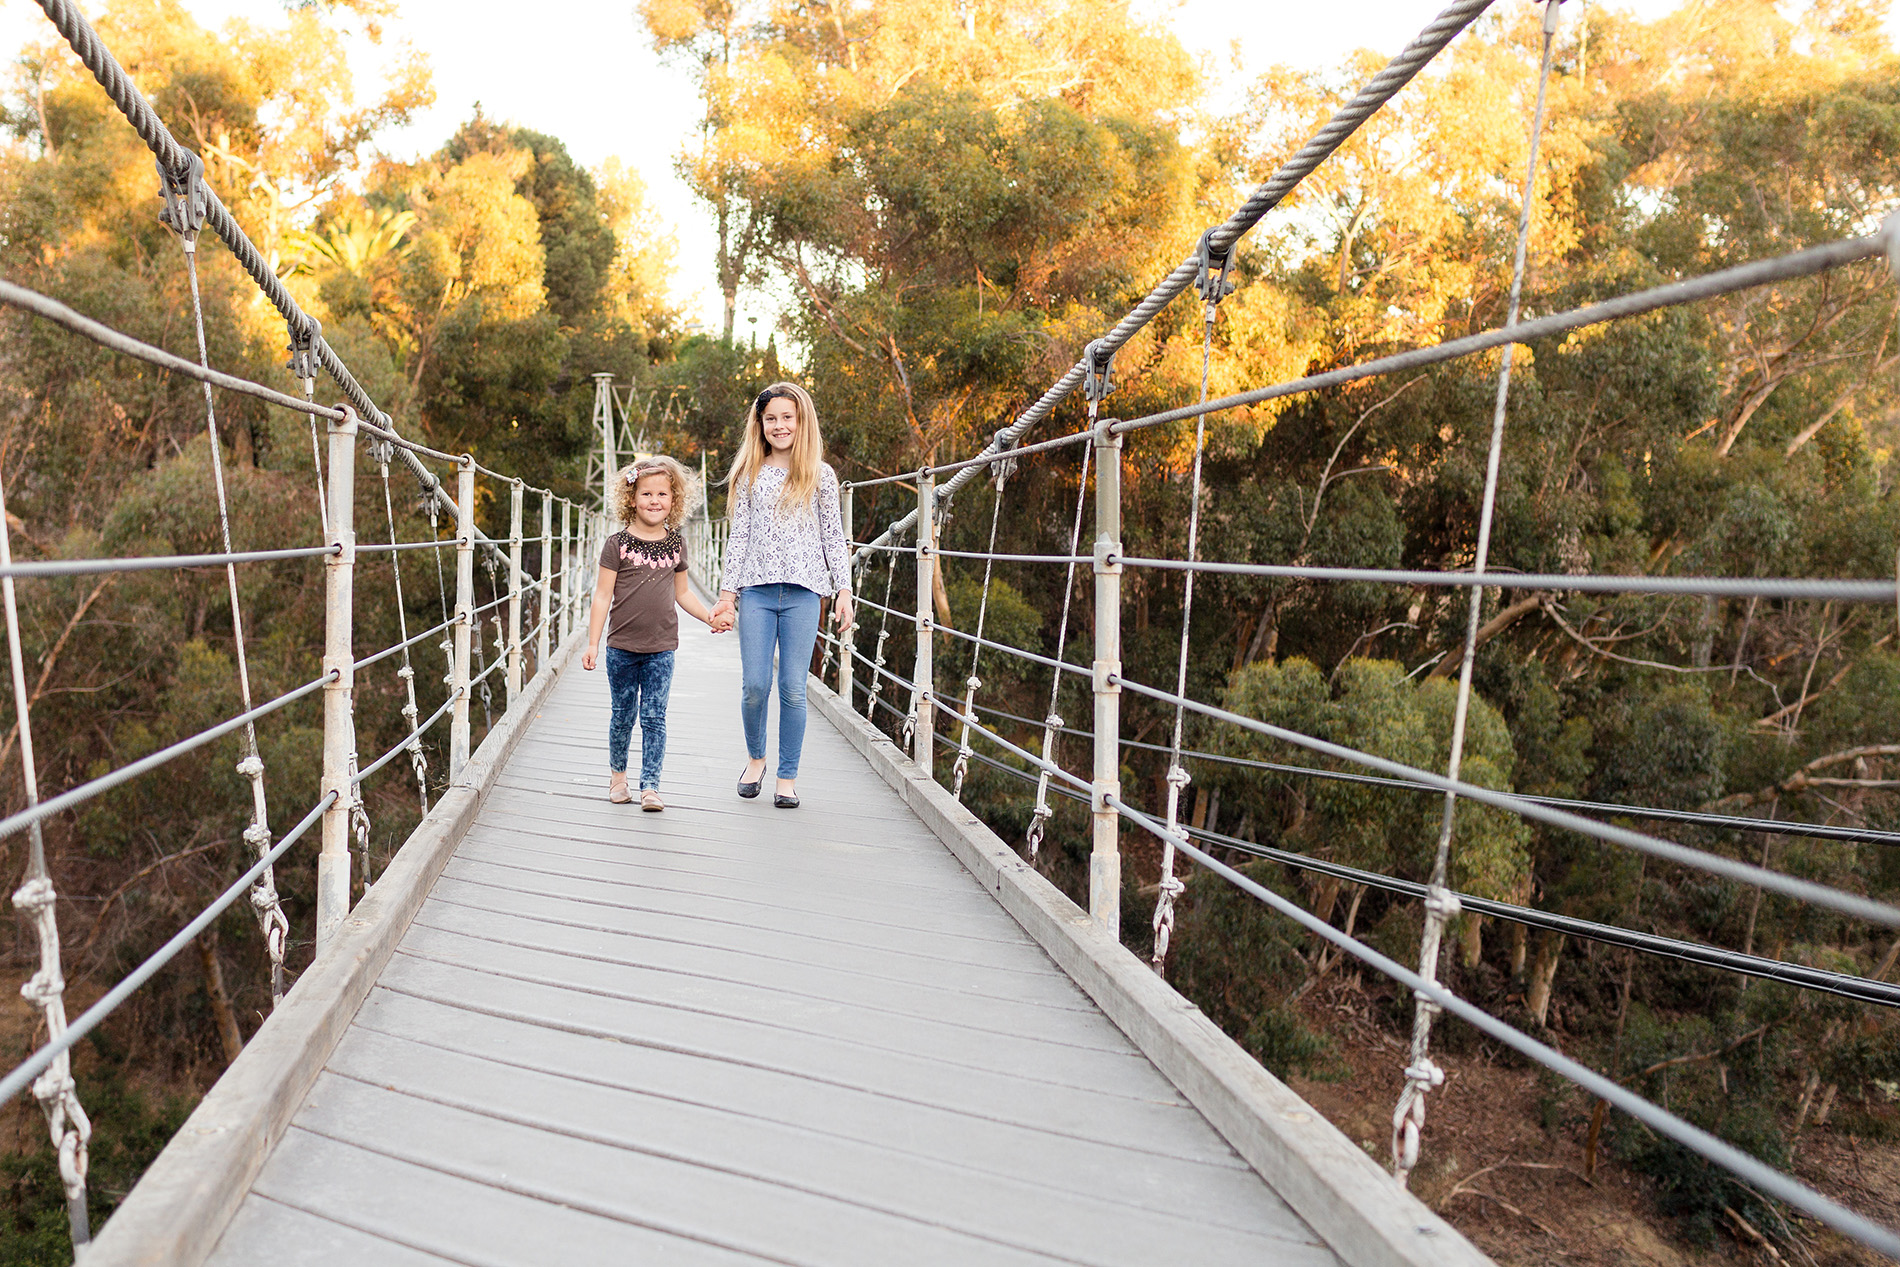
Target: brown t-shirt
(644,616)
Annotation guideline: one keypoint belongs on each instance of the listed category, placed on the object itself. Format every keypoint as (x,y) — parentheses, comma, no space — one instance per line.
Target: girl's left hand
(841,613)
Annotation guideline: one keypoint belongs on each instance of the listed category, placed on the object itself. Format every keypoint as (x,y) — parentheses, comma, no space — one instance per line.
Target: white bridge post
(567,570)
(464,614)
(514,592)
(546,584)
(1105,860)
(926,627)
(847,642)
(339,726)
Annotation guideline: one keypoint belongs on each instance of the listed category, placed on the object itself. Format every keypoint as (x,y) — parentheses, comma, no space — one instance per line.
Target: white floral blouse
(795,548)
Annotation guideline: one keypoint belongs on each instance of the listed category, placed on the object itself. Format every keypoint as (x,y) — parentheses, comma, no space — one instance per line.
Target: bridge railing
(865,672)
(539,613)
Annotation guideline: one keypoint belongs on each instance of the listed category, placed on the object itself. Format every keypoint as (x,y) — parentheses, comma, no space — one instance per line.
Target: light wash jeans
(782,618)
(639,682)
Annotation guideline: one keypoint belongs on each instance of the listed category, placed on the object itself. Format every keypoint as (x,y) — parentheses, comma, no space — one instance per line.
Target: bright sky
(582,71)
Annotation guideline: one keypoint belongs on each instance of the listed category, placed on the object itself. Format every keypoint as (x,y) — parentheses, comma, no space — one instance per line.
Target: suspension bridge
(869,1031)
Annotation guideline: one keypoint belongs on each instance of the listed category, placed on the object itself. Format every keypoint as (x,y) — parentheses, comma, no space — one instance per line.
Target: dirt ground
(1518,1191)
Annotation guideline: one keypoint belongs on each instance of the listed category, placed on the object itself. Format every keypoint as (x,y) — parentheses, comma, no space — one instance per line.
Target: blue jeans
(785,618)
(639,682)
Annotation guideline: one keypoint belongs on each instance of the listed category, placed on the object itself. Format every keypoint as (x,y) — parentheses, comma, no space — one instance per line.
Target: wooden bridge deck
(734,1034)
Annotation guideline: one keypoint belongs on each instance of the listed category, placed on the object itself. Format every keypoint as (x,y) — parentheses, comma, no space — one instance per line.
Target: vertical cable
(1421,1075)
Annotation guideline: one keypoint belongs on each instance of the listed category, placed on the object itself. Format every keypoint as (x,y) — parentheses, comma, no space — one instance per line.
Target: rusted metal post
(339,724)
(464,615)
(1105,860)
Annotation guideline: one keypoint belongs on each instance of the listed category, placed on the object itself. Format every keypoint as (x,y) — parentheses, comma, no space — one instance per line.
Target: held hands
(723,615)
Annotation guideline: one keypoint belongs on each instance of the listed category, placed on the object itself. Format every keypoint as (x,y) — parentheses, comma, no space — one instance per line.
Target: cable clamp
(1442,902)
(1098,361)
(1108,557)
(252,767)
(1212,270)
(1108,677)
(974,682)
(1054,721)
(187,199)
(306,332)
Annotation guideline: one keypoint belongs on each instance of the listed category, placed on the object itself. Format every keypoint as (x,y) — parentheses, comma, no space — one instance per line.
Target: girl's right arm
(597,617)
(738,539)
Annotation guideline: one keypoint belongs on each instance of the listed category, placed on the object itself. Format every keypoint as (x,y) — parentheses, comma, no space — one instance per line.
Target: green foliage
(130,1125)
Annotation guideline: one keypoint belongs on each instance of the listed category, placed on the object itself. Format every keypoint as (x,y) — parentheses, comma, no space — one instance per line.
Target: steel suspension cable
(57,1093)
(418,761)
(1421,1074)
(1380,89)
(265,903)
(1213,287)
(1053,723)
(1751,1170)
(1000,475)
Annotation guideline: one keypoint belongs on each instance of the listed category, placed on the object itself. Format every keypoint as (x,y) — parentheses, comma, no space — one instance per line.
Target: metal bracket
(1211,276)
(1107,558)
(1098,362)
(1100,794)
(187,200)
(304,341)
(1103,671)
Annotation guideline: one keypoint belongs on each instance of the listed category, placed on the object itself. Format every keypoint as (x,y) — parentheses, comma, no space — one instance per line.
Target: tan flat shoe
(650,801)
(617,790)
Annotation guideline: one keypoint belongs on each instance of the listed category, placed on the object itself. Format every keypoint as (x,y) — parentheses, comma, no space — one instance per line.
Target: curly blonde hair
(627,482)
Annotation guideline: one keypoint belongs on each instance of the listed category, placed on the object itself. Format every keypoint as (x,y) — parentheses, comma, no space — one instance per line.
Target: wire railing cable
(1765,1178)
(1728,868)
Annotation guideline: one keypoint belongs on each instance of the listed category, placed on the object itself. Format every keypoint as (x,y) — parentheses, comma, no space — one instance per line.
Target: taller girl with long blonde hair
(786,552)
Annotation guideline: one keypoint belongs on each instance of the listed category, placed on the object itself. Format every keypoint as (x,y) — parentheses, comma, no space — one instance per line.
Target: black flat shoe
(750,790)
(782,801)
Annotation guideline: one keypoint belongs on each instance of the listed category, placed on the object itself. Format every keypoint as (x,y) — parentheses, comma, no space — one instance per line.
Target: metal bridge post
(547,583)
(464,614)
(847,642)
(339,726)
(514,592)
(1105,861)
(567,569)
(926,628)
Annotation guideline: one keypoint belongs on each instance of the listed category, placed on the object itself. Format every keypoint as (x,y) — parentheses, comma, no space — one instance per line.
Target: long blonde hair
(627,484)
(808,449)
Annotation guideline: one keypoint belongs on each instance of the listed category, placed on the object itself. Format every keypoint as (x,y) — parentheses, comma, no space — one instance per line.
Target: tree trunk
(1471,937)
(1543,972)
(228,1035)
(1520,952)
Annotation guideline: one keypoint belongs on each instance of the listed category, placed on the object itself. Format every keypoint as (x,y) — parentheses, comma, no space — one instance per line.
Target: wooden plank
(1163,1124)
(180,1206)
(267,1231)
(916,996)
(734,1034)
(862,1175)
(1226,1191)
(1356,1207)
